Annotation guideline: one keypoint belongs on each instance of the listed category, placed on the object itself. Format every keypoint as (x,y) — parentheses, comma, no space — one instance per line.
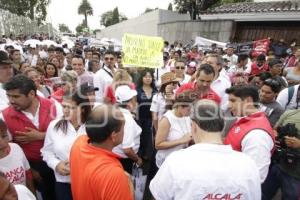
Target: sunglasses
(109,58)
(179,67)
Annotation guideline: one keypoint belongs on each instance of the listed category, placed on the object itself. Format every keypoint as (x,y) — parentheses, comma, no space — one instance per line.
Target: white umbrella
(70,43)
(32,42)
(2,47)
(49,43)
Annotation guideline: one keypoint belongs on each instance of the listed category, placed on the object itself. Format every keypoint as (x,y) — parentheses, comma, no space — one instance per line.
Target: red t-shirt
(193,86)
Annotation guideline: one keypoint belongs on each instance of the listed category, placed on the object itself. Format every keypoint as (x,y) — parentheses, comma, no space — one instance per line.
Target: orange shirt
(97,174)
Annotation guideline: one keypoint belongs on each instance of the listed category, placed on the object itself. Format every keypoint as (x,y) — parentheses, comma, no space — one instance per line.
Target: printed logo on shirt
(222,197)
(237,130)
(16,176)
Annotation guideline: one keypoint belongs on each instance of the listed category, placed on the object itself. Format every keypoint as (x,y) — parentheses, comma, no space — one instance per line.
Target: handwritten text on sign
(142,51)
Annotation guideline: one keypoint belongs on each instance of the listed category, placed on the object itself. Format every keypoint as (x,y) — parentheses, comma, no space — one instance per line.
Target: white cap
(123,93)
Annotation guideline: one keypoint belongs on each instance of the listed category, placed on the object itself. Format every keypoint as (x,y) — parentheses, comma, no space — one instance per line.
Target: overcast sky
(65,11)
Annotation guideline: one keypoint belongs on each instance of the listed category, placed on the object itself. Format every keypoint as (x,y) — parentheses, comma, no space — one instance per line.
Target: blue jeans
(290,186)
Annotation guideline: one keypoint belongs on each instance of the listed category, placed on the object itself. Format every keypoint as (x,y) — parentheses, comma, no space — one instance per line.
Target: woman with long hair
(60,137)
(145,91)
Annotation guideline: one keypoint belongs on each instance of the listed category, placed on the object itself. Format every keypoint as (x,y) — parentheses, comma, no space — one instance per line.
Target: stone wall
(146,24)
(12,23)
(185,31)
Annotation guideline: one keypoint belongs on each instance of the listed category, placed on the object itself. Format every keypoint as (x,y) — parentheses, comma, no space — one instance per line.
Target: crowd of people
(213,124)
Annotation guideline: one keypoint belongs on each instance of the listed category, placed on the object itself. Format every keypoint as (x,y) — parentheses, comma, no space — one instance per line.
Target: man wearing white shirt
(129,147)
(289,98)
(6,72)
(221,81)
(232,58)
(104,76)
(208,169)
(251,133)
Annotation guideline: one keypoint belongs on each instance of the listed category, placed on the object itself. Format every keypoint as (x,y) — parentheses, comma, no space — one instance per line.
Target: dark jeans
(47,185)
(127,164)
(290,186)
(63,191)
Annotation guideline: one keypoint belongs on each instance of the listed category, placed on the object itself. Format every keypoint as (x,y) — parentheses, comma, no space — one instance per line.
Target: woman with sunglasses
(60,137)
(174,129)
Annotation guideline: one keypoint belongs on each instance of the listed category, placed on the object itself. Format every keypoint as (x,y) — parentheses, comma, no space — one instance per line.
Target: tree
(80,27)
(85,9)
(115,16)
(34,9)
(63,28)
(194,7)
(170,7)
(112,17)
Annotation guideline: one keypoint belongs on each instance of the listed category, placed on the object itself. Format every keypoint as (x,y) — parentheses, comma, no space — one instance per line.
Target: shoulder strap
(110,74)
(290,94)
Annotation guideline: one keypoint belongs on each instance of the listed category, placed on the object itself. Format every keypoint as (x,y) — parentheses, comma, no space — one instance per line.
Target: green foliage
(85,9)
(34,9)
(80,28)
(112,17)
(194,7)
(170,7)
(63,28)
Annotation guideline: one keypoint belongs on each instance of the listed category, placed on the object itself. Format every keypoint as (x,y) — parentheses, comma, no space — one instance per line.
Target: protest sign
(142,51)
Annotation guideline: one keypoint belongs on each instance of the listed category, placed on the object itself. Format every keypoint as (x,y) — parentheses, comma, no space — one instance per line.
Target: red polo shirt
(193,86)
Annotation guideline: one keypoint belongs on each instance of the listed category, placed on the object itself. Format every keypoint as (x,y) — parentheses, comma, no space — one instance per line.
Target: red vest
(17,121)
(243,126)
(255,70)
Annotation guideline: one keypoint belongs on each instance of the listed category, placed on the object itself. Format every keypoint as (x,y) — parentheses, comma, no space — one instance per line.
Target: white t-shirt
(102,79)
(207,171)
(57,146)
(158,105)
(131,138)
(219,86)
(283,98)
(15,165)
(23,193)
(179,126)
(232,59)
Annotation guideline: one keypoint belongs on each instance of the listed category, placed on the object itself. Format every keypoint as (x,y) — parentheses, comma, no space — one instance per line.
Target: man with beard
(27,119)
(204,77)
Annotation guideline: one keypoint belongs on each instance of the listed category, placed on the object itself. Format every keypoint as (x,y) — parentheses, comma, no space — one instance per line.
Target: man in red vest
(251,133)
(27,119)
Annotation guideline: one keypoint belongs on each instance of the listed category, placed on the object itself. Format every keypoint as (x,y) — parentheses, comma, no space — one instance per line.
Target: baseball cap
(4,58)
(86,87)
(124,93)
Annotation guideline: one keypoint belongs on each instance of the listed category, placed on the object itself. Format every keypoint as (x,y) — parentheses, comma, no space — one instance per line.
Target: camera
(289,155)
